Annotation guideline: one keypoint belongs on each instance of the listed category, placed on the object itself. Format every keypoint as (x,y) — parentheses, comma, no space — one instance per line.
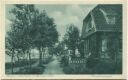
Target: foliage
(71,38)
(30,28)
(59,48)
(44,32)
(18,36)
(81,47)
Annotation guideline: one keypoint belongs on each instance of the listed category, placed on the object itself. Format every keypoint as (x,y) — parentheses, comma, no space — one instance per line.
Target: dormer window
(109,16)
(110,19)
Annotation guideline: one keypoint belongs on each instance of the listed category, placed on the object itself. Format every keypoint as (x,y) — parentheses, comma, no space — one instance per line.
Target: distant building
(102,32)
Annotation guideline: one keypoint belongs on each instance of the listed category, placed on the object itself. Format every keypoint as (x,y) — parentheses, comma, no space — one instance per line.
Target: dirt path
(53,67)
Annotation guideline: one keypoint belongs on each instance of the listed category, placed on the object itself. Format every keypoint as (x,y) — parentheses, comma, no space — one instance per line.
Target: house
(102,32)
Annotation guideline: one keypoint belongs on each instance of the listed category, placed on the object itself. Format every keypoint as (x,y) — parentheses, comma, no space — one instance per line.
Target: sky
(63,15)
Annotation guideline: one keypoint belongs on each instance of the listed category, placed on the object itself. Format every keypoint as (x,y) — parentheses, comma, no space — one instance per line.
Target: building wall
(103,45)
(90,45)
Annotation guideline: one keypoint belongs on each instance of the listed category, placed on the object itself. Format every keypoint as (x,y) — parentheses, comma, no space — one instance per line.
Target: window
(89,25)
(109,16)
(104,45)
(104,53)
(110,19)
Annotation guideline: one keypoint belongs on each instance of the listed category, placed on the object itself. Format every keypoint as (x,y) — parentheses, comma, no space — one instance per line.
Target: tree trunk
(43,50)
(40,56)
(29,57)
(18,58)
(12,61)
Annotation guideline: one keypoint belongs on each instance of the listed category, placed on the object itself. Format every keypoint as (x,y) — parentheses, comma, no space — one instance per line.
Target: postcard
(63,39)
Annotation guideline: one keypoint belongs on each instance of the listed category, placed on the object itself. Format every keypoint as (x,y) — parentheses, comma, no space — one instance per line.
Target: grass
(19,63)
(25,68)
(33,70)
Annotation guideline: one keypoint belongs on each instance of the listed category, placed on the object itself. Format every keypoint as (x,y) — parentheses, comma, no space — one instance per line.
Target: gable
(101,17)
(107,18)
(88,26)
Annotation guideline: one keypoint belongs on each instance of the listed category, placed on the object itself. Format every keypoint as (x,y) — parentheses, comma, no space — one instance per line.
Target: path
(53,67)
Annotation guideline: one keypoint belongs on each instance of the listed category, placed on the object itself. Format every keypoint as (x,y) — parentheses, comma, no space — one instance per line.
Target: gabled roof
(100,19)
(99,13)
(107,11)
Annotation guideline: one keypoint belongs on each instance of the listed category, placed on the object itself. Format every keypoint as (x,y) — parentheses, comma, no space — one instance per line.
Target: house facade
(102,33)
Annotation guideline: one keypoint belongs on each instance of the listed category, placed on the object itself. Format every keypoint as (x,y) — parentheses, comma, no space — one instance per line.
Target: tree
(30,28)
(13,43)
(59,48)
(13,40)
(44,33)
(71,38)
(18,38)
(9,46)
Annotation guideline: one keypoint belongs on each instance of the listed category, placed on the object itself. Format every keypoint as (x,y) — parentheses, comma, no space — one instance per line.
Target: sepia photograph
(49,39)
